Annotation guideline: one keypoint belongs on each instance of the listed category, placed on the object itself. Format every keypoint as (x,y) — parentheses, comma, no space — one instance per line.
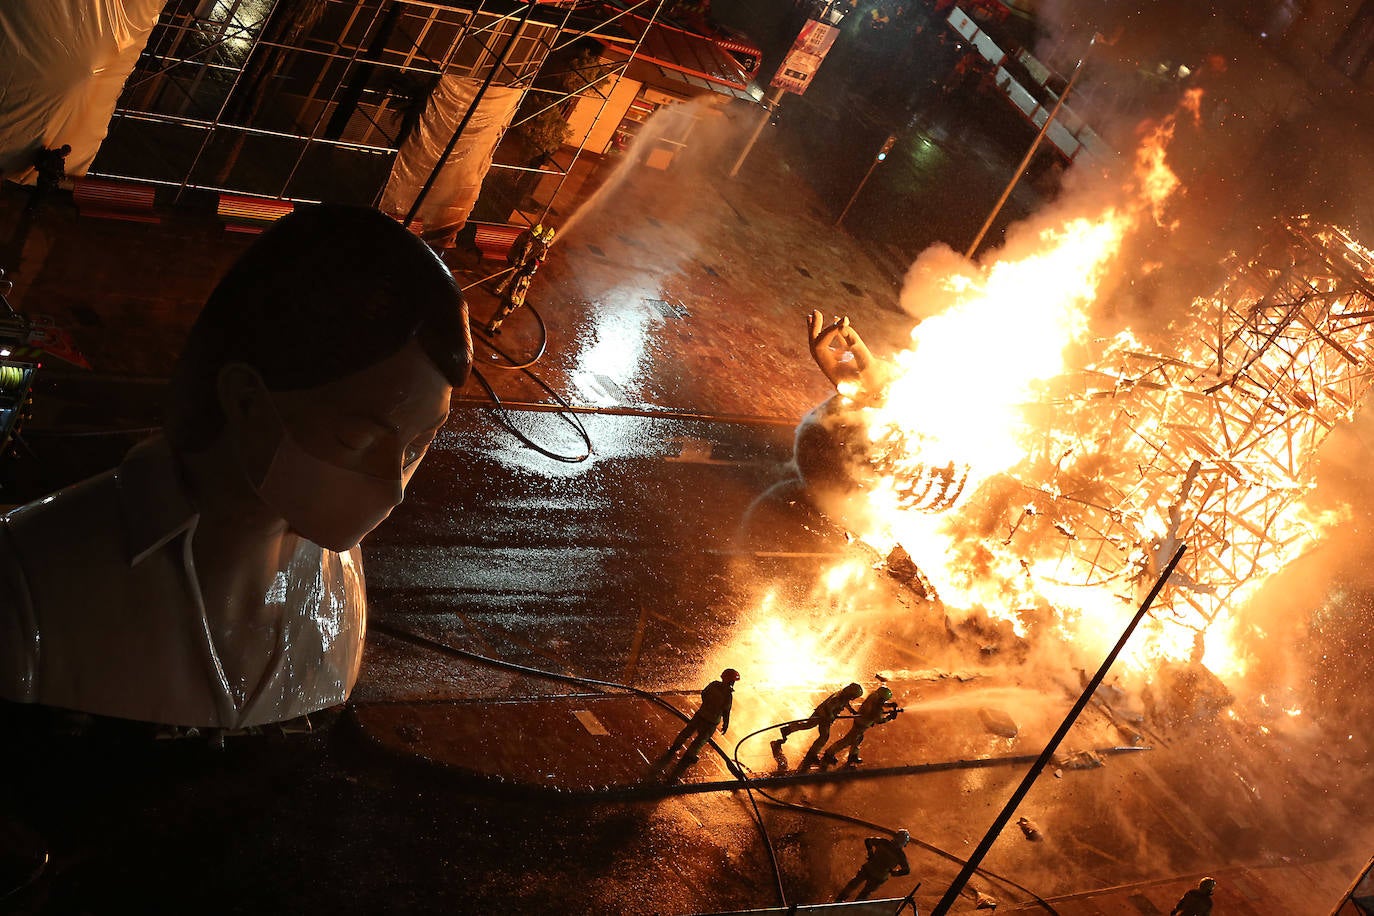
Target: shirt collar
(152,498)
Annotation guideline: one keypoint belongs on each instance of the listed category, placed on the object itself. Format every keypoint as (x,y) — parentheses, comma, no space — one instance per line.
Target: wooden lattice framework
(1212,447)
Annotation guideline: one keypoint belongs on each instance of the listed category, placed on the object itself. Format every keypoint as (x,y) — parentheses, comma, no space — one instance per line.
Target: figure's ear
(240,390)
(250,423)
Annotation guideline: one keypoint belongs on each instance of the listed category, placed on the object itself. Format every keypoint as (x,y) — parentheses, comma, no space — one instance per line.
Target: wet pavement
(617,745)
(480,766)
(1239,892)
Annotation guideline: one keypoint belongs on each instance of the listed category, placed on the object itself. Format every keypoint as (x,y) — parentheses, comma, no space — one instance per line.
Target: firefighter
(1196,902)
(821,718)
(885,860)
(716,699)
(517,255)
(532,252)
(876,710)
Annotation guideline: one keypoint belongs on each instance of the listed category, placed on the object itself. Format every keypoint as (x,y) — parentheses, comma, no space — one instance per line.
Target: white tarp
(63,64)
(449,201)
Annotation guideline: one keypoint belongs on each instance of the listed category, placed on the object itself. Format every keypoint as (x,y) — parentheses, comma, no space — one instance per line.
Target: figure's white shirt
(101,609)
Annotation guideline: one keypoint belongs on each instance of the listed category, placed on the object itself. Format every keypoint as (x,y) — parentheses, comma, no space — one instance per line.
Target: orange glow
(1105,481)
(1083,480)
(784,647)
(1192,103)
(842,577)
(1022,314)
(1156,180)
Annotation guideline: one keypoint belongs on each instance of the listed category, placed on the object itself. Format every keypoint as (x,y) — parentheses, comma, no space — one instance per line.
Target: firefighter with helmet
(517,255)
(886,859)
(525,258)
(716,699)
(1196,902)
(875,710)
(821,718)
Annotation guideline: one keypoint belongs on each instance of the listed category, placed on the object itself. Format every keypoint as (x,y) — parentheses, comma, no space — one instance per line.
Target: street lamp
(797,69)
(882,154)
(770,105)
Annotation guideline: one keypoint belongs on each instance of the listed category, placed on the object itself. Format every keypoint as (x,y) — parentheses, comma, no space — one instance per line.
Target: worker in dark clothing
(821,718)
(51,165)
(716,699)
(1196,902)
(876,710)
(885,860)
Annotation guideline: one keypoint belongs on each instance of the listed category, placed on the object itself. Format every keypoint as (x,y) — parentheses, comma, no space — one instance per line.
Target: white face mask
(322,502)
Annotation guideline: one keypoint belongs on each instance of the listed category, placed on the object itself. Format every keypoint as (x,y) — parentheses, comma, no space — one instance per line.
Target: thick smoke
(1272,142)
(1280,132)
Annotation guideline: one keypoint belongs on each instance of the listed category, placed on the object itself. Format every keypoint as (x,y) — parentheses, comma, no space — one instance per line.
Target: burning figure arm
(843,356)
(836,454)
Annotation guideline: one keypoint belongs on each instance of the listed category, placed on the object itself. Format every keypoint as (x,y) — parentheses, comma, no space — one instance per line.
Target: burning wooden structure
(1212,446)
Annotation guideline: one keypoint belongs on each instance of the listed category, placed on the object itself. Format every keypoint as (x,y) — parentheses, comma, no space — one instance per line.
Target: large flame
(960,392)
(979,423)
(804,641)
(1082,482)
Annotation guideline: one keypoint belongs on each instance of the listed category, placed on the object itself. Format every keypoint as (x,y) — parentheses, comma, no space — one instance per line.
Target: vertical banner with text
(812,44)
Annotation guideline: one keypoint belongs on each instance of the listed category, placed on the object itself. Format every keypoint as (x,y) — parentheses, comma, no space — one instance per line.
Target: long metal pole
(855,196)
(1341,906)
(254,43)
(472,108)
(1025,161)
(768,109)
(333,95)
(1009,809)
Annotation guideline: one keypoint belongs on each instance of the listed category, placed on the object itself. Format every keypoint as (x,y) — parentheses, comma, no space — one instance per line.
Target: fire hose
(503,415)
(823,812)
(401,633)
(510,362)
(567,414)
(486,338)
(732,765)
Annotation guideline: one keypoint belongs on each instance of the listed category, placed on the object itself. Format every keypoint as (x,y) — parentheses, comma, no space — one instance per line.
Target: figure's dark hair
(326,291)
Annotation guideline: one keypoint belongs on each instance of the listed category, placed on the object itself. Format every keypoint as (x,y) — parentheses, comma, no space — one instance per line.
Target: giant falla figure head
(324,360)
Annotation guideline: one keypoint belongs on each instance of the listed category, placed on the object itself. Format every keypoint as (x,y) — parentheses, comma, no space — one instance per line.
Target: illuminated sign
(808,51)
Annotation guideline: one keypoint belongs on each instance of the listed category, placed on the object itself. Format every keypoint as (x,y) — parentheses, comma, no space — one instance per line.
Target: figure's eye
(416,450)
(354,439)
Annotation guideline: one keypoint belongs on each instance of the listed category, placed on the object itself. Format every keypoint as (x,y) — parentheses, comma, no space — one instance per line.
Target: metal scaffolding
(309,101)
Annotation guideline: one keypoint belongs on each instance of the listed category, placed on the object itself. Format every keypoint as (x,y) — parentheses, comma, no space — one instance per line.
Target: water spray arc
(994,831)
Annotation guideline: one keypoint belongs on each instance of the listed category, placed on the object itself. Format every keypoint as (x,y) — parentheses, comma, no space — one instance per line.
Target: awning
(675,55)
(661,76)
